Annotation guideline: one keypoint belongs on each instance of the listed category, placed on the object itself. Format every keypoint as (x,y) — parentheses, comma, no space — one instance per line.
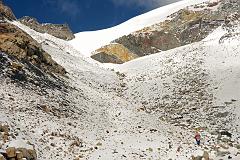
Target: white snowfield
(87,42)
(149,109)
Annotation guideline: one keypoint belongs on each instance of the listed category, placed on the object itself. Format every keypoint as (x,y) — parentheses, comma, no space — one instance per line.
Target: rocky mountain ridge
(191,24)
(61,31)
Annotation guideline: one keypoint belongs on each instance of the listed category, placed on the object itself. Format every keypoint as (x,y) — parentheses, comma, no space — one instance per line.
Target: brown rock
(19,155)
(29,154)
(5,137)
(45,108)
(3,152)
(4,128)
(11,152)
(23,47)
(113,53)
(205,155)
(2,157)
(32,154)
(197,158)
(24,152)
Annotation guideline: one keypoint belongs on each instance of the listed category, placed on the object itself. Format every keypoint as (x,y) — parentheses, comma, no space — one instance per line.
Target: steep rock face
(186,26)
(6,12)
(22,58)
(114,53)
(61,31)
(24,67)
(18,44)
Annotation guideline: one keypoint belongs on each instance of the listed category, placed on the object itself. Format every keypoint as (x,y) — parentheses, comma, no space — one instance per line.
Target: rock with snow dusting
(61,31)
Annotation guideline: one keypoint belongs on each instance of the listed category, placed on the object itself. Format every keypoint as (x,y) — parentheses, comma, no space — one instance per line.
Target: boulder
(206,155)
(197,158)
(4,128)
(11,152)
(226,133)
(29,154)
(19,155)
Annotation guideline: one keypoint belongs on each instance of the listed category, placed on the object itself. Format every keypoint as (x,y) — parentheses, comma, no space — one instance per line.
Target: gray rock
(61,31)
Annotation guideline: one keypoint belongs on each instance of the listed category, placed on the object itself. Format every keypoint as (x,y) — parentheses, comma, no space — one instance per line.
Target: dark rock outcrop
(61,31)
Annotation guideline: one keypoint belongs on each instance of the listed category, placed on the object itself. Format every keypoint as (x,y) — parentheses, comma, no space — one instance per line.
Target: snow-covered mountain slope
(148,108)
(87,42)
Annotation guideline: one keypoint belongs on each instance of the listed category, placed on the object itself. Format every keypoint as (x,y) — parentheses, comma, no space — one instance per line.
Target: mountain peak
(6,12)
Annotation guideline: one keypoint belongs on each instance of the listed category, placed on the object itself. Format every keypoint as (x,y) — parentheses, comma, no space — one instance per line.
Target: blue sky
(84,15)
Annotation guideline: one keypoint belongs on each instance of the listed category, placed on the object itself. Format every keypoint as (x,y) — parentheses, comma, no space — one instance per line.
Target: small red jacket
(197,136)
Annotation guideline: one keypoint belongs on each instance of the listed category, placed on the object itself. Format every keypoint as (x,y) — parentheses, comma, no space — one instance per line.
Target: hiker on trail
(197,138)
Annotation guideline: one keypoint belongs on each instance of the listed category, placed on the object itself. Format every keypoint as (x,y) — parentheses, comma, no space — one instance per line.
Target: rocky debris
(6,12)
(186,99)
(61,31)
(113,53)
(13,152)
(232,22)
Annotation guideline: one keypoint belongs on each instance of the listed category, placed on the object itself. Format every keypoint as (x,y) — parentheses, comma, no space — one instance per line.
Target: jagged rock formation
(6,12)
(186,26)
(21,46)
(114,53)
(21,55)
(61,31)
